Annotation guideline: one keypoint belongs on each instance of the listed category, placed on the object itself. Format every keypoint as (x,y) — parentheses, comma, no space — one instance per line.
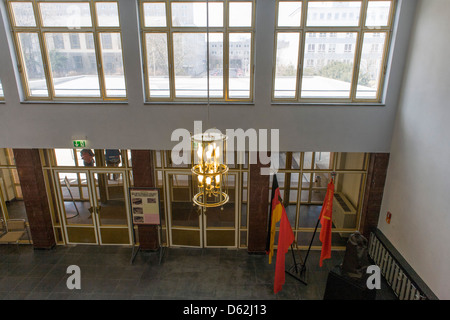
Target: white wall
(418,179)
(149,126)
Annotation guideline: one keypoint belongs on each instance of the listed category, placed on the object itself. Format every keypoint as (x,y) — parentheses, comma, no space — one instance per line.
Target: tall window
(179,35)
(350,70)
(303,178)
(61,49)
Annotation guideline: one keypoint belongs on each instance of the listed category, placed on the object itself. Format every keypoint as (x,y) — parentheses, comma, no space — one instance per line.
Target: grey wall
(418,179)
(136,125)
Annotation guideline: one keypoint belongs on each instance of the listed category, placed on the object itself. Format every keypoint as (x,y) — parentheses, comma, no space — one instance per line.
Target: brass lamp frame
(211,175)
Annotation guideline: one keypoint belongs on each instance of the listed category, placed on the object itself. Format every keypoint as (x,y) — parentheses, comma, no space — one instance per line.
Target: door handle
(95,209)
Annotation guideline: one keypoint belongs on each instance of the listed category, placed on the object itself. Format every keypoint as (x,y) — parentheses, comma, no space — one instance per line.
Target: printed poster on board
(145,206)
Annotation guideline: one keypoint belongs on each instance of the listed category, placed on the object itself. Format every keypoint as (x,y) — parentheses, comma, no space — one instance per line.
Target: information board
(145,206)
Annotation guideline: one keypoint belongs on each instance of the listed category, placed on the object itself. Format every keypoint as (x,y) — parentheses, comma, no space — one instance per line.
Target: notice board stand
(145,210)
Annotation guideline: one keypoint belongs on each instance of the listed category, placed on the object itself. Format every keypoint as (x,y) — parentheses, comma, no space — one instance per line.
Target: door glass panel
(110,193)
(184,214)
(218,217)
(223,218)
(77,209)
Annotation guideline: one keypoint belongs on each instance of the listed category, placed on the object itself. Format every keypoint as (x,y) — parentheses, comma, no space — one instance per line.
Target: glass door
(110,190)
(76,206)
(94,206)
(184,219)
(220,222)
(216,228)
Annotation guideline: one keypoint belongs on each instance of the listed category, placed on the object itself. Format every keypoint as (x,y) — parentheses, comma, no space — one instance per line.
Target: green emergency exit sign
(79,143)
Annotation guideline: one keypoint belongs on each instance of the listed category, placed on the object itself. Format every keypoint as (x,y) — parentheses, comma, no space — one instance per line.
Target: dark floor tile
(7,284)
(203,274)
(27,284)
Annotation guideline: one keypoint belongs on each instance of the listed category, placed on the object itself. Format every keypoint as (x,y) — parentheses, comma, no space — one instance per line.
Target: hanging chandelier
(209,170)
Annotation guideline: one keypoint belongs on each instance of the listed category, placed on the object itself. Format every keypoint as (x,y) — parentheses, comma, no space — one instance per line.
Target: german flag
(285,239)
(276,209)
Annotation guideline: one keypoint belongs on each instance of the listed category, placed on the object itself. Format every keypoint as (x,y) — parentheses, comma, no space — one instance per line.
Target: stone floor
(184,274)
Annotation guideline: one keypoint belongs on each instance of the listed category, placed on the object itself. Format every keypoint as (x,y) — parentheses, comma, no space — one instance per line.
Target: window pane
(322,160)
(157,64)
(240,14)
(74,70)
(1,89)
(378,13)
(215,14)
(289,13)
(307,160)
(371,65)
(216,65)
(155,14)
(23,14)
(71,15)
(328,74)
(286,64)
(113,64)
(239,65)
(351,161)
(334,13)
(33,67)
(189,14)
(64,157)
(190,64)
(107,14)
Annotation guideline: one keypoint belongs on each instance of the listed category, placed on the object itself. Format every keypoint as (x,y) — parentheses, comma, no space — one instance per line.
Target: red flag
(285,238)
(326,222)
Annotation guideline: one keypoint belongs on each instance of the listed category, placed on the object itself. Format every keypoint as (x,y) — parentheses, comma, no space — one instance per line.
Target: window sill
(71,102)
(330,104)
(200,103)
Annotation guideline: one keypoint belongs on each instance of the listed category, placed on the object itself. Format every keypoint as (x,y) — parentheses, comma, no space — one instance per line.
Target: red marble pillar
(144,176)
(29,169)
(258,202)
(373,196)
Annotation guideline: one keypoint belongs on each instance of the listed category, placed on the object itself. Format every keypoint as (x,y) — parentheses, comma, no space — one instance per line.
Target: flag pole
(301,275)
